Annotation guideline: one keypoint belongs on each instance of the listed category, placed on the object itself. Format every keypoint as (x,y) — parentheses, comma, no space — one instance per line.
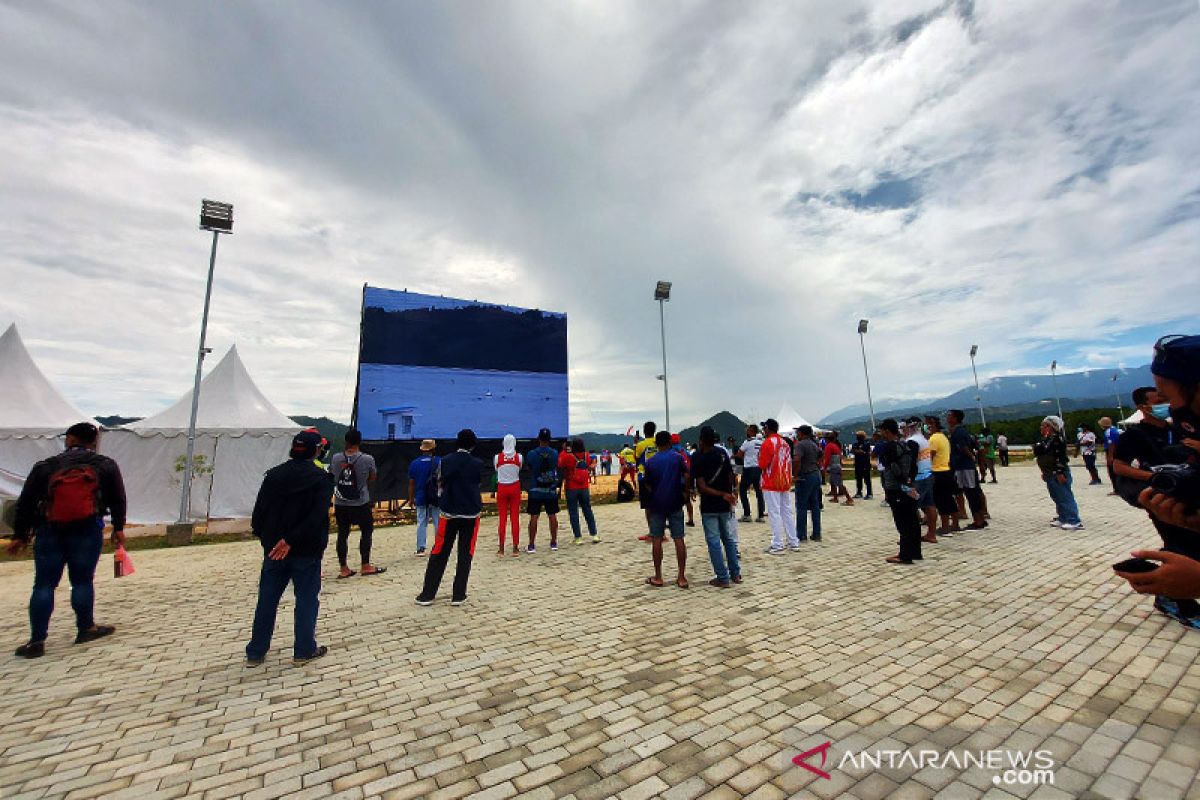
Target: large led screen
(430,366)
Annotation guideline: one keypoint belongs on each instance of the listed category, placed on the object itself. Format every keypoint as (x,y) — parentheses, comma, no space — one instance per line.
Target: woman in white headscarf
(508,491)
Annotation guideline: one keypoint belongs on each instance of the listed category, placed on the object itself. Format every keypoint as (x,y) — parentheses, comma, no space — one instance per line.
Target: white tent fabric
(789,419)
(33,415)
(239,435)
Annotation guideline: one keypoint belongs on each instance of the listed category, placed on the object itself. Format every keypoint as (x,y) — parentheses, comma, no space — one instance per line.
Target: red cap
(675,438)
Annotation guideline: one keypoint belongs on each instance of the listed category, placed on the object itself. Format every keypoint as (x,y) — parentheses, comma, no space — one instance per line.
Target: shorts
(643,494)
(835,478)
(943,493)
(535,507)
(965,479)
(659,525)
(925,487)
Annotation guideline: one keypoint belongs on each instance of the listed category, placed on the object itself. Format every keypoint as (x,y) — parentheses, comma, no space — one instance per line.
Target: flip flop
(650,582)
(350,574)
(683,583)
(376,571)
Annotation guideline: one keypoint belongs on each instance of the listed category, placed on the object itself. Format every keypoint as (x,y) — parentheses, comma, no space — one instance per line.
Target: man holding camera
(1173,494)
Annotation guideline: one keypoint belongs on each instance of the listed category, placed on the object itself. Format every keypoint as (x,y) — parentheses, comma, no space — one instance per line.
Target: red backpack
(73,493)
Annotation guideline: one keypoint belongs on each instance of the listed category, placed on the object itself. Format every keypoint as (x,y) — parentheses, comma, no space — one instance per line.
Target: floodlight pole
(1054,379)
(1117,394)
(862,329)
(218,218)
(662,327)
(978,394)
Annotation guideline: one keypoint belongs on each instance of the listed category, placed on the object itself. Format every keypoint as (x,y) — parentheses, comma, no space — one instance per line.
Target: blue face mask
(1161,410)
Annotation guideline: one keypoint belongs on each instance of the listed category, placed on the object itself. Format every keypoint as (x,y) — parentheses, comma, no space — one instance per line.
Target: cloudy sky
(1020,175)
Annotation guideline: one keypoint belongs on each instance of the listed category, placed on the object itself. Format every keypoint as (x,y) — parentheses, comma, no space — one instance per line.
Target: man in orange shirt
(775,461)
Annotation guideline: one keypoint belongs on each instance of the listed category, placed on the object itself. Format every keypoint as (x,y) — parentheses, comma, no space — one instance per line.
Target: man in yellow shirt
(943,478)
(646,449)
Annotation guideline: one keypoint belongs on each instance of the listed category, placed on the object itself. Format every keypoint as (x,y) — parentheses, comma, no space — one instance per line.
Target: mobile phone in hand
(1135,565)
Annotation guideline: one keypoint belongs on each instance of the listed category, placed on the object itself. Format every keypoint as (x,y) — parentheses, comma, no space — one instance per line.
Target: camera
(1180,481)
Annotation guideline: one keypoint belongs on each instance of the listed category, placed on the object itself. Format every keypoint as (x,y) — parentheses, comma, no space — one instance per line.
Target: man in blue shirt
(424,501)
(543,489)
(664,482)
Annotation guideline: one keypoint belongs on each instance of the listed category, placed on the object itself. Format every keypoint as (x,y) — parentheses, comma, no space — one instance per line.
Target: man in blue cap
(291,519)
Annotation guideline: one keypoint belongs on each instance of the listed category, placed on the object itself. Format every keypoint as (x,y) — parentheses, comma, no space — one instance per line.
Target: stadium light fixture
(862,330)
(1054,380)
(1117,394)
(978,394)
(218,218)
(662,293)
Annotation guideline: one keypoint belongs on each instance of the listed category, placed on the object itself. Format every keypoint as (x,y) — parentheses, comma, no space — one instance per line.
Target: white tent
(239,435)
(789,419)
(33,415)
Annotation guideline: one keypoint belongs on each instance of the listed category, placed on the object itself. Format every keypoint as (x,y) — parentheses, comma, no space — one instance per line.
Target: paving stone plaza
(566,676)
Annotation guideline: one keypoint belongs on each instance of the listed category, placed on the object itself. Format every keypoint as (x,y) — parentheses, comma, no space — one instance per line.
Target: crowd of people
(932,480)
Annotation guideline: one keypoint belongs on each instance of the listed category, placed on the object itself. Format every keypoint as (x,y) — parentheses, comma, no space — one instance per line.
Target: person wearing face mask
(1111,435)
(1085,447)
(1176,370)
(1142,445)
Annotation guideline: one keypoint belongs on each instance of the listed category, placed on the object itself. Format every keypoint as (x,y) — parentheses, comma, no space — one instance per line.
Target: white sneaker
(795,548)
(775,551)
(1071,526)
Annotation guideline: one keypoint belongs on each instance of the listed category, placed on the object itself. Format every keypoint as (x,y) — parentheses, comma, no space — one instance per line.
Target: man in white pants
(775,461)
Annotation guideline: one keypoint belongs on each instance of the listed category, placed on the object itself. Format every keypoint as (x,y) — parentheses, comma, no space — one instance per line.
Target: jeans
(752,476)
(722,546)
(1064,498)
(425,515)
(577,498)
(305,576)
(808,499)
(78,551)
(364,518)
(464,531)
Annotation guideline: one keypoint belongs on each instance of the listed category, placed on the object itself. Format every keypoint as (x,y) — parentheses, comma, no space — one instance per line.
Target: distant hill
(1015,394)
(335,432)
(996,414)
(724,423)
(116,421)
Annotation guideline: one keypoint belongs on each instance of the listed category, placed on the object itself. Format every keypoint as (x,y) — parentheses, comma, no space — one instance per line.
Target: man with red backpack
(62,507)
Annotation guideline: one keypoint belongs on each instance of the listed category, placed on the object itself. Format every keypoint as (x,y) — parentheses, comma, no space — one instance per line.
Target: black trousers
(451,529)
(345,517)
(1003,458)
(862,474)
(908,524)
(752,476)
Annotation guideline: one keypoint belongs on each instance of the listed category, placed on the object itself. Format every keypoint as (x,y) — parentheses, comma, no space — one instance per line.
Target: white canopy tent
(789,419)
(239,435)
(33,415)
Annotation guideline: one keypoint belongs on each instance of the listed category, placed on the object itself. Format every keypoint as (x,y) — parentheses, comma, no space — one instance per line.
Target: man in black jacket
(291,519)
(459,476)
(64,500)
(899,460)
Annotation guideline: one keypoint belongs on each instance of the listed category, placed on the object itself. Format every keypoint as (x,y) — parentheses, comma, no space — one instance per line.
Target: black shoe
(424,601)
(816,538)
(32,649)
(458,601)
(254,662)
(322,650)
(691,524)
(94,633)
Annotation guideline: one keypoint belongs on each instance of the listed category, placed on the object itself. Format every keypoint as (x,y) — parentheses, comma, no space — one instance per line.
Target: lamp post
(1117,394)
(862,329)
(978,395)
(662,293)
(1054,378)
(218,218)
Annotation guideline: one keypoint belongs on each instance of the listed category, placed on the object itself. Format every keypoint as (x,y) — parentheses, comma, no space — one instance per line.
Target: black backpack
(625,492)
(346,487)
(545,482)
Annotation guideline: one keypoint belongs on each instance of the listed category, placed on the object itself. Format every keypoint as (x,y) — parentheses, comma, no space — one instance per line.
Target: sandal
(349,574)
(682,583)
(376,571)
(655,582)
